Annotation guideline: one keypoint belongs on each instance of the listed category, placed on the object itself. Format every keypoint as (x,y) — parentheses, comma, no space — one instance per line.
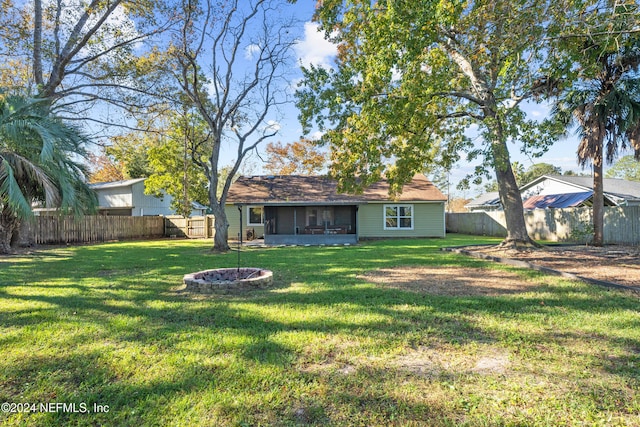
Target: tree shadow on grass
(145,316)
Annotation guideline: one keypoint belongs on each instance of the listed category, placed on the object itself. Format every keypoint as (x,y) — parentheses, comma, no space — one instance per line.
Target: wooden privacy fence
(193,227)
(89,229)
(621,224)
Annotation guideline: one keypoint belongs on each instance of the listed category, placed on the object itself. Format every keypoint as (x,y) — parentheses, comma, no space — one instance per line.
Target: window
(398,217)
(255,216)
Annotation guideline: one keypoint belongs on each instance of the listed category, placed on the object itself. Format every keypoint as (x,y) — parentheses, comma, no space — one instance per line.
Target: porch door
(319,216)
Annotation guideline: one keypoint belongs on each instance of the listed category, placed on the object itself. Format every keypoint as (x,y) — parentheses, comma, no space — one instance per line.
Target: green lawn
(104,325)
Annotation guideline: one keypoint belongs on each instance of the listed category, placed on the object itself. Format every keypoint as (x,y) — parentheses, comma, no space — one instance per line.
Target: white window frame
(398,217)
(249,223)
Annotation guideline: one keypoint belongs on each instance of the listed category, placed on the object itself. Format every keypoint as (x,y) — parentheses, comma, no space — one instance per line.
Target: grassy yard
(104,325)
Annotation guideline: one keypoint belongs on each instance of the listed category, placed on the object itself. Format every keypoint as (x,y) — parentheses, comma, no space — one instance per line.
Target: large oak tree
(413,78)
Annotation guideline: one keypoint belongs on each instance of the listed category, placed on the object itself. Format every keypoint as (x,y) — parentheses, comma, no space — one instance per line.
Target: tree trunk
(511,200)
(517,235)
(23,236)
(37,43)
(598,200)
(8,223)
(221,226)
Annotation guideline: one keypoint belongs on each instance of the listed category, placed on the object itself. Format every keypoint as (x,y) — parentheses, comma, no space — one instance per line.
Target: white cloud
(314,49)
(272,126)
(251,50)
(315,136)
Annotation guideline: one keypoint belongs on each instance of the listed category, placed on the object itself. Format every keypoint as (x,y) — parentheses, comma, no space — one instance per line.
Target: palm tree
(606,108)
(37,154)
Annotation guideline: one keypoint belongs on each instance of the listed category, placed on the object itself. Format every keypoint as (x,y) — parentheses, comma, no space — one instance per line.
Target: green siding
(428,221)
(233,217)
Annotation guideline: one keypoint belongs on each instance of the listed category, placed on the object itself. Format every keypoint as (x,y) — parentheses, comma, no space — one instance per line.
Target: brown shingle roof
(321,189)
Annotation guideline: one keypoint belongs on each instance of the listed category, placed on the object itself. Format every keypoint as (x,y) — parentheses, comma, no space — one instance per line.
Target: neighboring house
(485,202)
(309,210)
(127,198)
(560,191)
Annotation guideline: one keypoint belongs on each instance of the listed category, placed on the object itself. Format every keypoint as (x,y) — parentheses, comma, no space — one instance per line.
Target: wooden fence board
(621,224)
(194,227)
(92,229)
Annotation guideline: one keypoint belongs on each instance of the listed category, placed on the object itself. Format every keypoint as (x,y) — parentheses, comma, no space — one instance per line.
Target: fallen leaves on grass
(452,281)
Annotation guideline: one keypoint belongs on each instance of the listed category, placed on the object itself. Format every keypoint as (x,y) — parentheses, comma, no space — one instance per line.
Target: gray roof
(491,198)
(615,187)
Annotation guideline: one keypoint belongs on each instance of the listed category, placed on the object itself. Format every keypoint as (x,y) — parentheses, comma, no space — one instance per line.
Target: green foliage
(38,162)
(104,324)
(174,170)
(627,167)
(537,170)
(36,151)
(413,77)
(582,233)
(130,152)
(604,98)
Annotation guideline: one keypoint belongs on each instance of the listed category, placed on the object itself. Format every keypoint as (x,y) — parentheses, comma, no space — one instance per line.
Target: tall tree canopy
(173,161)
(77,54)
(627,167)
(232,64)
(412,78)
(604,99)
(302,157)
(536,170)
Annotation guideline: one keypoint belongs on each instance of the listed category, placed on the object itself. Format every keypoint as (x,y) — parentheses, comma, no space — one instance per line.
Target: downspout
(357,224)
(240,234)
(444,222)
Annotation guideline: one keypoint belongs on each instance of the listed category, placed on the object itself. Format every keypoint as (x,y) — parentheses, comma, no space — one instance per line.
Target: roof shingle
(291,189)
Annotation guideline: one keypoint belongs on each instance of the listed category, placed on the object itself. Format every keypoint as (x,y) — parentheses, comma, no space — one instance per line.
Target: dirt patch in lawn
(431,362)
(450,280)
(616,264)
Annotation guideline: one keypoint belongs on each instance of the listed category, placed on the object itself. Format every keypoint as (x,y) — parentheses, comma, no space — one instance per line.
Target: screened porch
(310,224)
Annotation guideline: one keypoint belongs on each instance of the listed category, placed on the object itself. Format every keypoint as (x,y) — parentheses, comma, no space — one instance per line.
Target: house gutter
(301,203)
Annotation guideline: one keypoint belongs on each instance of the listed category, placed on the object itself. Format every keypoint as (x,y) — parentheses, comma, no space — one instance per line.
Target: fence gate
(198,227)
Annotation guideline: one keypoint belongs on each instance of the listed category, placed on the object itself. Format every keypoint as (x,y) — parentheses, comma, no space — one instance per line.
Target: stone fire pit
(228,279)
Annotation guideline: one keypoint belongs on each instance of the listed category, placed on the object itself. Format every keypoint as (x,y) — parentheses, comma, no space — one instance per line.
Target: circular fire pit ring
(223,279)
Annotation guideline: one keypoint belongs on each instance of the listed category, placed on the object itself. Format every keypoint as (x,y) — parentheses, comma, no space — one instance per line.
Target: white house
(560,191)
(127,198)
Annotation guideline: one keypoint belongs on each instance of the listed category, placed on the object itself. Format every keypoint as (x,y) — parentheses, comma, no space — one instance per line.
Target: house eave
(329,203)
(300,203)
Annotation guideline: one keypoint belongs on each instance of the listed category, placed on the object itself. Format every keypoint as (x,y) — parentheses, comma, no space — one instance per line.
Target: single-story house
(296,209)
(127,198)
(562,191)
